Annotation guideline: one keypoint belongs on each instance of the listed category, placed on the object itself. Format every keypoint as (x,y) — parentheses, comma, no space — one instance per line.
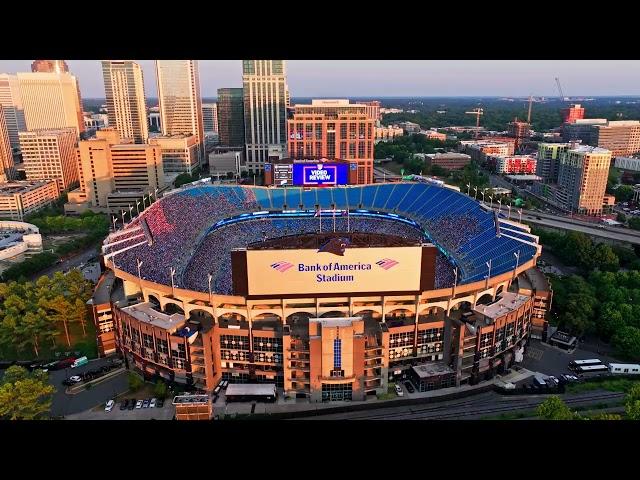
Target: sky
(399,78)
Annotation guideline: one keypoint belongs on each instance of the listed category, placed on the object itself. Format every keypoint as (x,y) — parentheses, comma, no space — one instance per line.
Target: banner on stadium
(307,271)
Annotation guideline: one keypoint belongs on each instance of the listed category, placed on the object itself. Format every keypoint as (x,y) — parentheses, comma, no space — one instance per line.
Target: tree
(632,403)
(634,223)
(621,217)
(626,341)
(606,416)
(24,396)
(59,308)
(135,382)
(160,389)
(553,408)
(604,258)
(78,314)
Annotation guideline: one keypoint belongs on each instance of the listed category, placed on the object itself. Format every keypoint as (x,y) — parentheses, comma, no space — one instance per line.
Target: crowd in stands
(178,226)
(214,253)
(453,231)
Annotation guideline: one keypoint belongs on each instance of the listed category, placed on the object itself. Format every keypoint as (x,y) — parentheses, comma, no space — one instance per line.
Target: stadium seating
(180,225)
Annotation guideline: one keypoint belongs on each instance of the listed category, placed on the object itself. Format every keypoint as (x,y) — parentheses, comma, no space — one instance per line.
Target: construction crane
(477,112)
(562,97)
(529,114)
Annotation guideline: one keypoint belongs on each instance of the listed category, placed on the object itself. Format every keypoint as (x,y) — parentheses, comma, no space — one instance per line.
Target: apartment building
(50,154)
(18,199)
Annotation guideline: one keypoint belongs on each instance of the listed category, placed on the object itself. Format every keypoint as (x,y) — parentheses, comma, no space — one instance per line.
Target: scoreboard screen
(320,174)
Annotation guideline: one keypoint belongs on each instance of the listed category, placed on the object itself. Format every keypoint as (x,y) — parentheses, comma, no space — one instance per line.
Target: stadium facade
(329,293)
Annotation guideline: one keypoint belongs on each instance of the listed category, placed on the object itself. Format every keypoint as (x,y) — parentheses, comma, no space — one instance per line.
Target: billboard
(282,174)
(307,271)
(320,174)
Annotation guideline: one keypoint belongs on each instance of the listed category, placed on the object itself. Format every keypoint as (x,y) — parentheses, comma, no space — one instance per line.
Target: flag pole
(320,217)
(348,229)
(334,219)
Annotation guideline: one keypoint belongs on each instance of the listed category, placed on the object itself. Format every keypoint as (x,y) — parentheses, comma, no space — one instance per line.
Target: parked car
(160,403)
(152,403)
(124,405)
(109,406)
(409,387)
(399,391)
(132,404)
(139,404)
(146,403)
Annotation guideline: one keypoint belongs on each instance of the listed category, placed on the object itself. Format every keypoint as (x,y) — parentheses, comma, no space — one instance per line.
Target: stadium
(328,293)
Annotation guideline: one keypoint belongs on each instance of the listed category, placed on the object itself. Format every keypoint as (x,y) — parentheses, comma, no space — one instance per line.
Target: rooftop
(250,389)
(336,322)
(190,399)
(102,294)
(22,186)
(146,313)
(588,149)
(507,303)
(537,279)
(427,370)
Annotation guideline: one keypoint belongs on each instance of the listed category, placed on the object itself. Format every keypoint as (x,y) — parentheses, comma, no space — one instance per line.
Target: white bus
(624,368)
(582,363)
(592,368)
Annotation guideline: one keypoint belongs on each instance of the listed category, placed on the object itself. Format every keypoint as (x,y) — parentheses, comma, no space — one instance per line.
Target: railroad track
(474,407)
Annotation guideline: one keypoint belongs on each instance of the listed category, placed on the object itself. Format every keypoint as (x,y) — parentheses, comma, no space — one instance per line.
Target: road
(70,263)
(612,234)
(475,407)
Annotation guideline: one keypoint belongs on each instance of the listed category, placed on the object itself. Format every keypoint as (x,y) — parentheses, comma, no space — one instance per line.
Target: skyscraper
(265,97)
(124,90)
(179,100)
(582,178)
(11,102)
(49,66)
(50,101)
(333,129)
(59,66)
(231,117)
(549,160)
(7,170)
(210,117)
(50,154)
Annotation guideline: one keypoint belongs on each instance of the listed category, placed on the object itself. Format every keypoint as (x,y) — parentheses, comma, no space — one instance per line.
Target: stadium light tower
(173,285)
(475,196)
(482,193)
(517,255)
(209,278)
(131,211)
(139,263)
(138,206)
(500,205)
(491,200)
(123,214)
(488,264)
(520,213)
(114,220)
(468,188)
(455,281)
(509,207)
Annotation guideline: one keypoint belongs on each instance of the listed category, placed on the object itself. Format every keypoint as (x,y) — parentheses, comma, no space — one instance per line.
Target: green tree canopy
(24,396)
(553,408)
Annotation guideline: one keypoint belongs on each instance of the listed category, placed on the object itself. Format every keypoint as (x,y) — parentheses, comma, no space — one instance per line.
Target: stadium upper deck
(193,229)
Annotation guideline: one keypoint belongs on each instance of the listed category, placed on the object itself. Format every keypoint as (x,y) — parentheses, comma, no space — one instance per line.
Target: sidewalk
(298,405)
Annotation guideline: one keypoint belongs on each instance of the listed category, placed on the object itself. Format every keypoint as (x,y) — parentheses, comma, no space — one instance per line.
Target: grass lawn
(610,384)
(87,346)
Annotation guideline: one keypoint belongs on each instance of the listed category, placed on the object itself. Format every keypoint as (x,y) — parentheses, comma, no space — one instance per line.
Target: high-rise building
(124,90)
(519,130)
(179,152)
(50,154)
(7,170)
(50,66)
(373,110)
(210,117)
(59,66)
(18,199)
(333,129)
(572,113)
(114,175)
(11,102)
(621,137)
(51,101)
(231,117)
(179,100)
(265,111)
(582,178)
(549,160)
(581,129)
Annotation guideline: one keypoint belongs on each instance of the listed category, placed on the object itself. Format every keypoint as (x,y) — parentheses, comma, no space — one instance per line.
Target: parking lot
(549,360)
(167,412)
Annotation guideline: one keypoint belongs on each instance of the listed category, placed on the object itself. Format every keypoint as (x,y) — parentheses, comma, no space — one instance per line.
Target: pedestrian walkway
(302,405)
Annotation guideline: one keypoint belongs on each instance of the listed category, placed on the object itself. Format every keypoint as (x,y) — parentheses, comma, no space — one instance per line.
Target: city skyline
(397,78)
